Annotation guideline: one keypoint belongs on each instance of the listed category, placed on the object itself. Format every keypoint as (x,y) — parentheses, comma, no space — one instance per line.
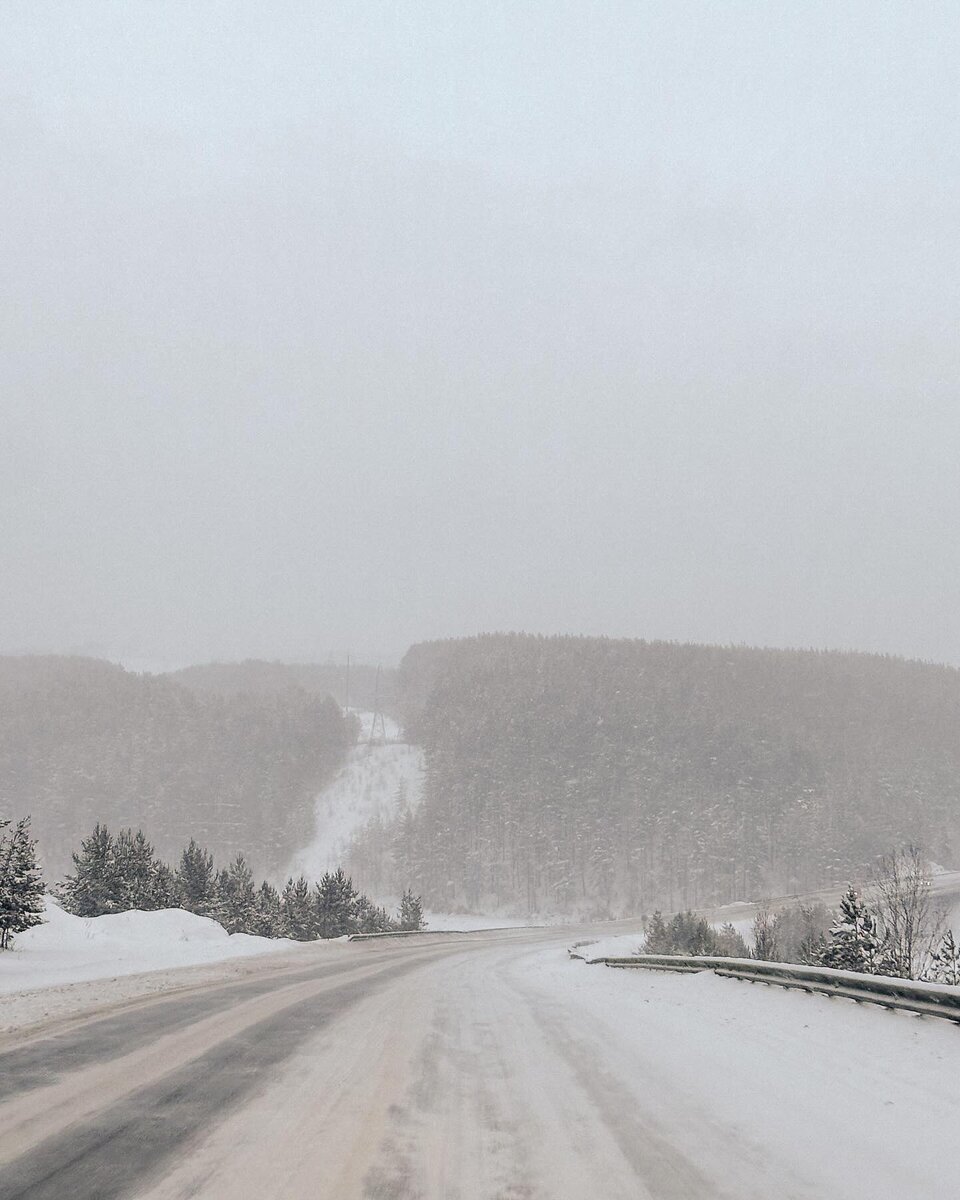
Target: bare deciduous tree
(911,923)
(764,935)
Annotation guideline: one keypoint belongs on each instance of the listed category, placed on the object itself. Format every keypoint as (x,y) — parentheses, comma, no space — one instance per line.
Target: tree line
(896,930)
(117,873)
(83,740)
(600,778)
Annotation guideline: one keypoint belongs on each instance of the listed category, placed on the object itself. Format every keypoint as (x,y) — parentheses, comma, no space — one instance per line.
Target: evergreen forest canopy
(596,776)
(84,741)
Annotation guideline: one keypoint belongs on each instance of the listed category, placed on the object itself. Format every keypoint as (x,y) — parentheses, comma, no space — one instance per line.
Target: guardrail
(428,932)
(928,999)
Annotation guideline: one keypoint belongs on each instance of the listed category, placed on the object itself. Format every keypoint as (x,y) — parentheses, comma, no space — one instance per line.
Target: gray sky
(346,325)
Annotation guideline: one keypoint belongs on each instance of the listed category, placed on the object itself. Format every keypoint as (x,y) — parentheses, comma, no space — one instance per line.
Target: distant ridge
(83,740)
(602,776)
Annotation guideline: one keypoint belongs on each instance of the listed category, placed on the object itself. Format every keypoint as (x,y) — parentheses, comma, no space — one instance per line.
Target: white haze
(347,324)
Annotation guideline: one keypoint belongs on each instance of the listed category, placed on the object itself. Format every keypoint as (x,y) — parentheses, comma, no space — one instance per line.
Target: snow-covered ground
(366,787)
(764,1091)
(621,945)
(67,949)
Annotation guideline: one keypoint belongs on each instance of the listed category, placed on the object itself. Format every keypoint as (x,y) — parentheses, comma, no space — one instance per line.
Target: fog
(330,326)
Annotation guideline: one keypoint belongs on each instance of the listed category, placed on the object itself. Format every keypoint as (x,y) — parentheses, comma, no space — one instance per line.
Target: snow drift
(67,949)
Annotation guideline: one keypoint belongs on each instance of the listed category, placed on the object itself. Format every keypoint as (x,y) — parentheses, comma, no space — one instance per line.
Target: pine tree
(411,912)
(136,870)
(266,919)
(379,921)
(21,883)
(657,939)
(94,888)
(335,901)
(854,944)
(298,911)
(730,943)
(945,964)
(164,891)
(371,918)
(238,898)
(195,880)
(690,934)
(220,897)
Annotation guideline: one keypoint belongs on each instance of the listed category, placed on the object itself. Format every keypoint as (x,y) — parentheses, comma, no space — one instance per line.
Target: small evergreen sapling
(854,943)
(691,934)
(730,943)
(657,939)
(945,963)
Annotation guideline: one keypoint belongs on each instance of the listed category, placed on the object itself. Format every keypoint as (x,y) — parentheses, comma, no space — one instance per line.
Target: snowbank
(68,949)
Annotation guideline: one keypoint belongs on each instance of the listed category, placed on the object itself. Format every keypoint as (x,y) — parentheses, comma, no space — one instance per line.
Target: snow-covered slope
(67,949)
(366,787)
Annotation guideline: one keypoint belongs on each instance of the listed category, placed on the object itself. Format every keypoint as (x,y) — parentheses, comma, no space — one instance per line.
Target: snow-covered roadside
(620,946)
(71,964)
(68,949)
(775,1092)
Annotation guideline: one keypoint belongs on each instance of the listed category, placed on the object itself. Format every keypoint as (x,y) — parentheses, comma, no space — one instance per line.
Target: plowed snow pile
(68,949)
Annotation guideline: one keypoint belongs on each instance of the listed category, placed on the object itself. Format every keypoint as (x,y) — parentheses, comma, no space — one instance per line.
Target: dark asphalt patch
(109,1157)
(44,1062)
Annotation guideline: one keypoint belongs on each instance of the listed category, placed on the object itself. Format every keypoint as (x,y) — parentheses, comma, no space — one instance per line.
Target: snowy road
(484,1068)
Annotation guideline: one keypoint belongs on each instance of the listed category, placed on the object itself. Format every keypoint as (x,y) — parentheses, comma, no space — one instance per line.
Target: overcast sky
(330,326)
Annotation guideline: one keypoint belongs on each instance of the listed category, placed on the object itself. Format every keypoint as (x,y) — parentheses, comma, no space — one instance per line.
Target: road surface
(441,1069)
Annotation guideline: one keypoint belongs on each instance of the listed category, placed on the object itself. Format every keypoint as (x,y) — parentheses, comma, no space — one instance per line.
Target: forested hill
(83,741)
(359,685)
(584,774)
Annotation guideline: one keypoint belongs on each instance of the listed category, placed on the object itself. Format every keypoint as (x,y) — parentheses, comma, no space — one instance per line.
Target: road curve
(472,1068)
(379,1074)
